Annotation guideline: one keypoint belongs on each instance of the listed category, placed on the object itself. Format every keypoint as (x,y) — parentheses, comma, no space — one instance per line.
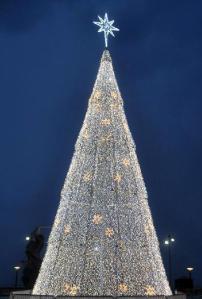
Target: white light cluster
(106,26)
(103,241)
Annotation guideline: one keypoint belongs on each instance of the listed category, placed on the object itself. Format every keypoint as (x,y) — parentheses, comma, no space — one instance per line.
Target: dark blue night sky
(49,57)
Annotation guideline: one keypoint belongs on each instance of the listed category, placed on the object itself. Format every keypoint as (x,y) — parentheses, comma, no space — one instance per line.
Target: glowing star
(74,290)
(67,229)
(107,27)
(126,162)
(123,288)
(106,138)
(87,177)
(114,95)
(150,291)
(117,178)
(96,95)
(67,287)
(109,232)
(97,219)
(105,122)
(71,289)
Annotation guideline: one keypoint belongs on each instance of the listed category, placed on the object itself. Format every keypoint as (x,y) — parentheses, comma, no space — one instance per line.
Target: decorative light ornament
(126,162)
(71,289)
(67,229)
(123,288)
(96,95)
(97,219)
(114,95)
(109,232)
(117,178)
(67,287)
(106,138)
(107,27)
(87,177)
(105,122)
(150,291)
(114,106)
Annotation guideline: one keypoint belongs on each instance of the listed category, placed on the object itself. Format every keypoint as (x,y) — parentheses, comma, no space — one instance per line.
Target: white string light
(103,241)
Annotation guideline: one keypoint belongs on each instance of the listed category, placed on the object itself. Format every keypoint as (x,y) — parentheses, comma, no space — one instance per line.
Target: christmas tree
(103,241)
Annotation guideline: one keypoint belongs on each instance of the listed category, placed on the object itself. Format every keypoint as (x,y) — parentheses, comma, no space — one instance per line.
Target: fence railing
(28,295)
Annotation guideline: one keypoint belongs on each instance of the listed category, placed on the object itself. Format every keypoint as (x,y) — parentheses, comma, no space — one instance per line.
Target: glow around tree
(103,240)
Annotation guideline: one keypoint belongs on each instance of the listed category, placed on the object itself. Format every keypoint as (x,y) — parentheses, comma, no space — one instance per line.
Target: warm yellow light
(150,291)
(97,95)
(87,177)
(114,95)
(106,138)
(114,106)
(126,162)
(123,288)
(67,229)
(71,289)
(190,269)
(109,232)
(117,178)
(97,219)
(105,122)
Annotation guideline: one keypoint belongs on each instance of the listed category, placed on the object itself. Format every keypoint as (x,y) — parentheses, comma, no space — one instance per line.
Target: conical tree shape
(103,241)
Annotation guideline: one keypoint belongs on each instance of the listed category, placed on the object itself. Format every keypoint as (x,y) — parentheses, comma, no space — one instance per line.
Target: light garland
(115,251)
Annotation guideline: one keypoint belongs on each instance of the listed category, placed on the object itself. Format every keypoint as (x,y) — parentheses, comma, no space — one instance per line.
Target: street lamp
(16,268)
(190,269)
(27,238)
(168,242)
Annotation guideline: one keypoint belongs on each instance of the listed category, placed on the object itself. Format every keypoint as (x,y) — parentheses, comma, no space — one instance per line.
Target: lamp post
(168,242)
(16,268)
(190,269)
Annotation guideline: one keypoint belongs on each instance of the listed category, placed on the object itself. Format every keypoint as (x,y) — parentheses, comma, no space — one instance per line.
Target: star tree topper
(107,27)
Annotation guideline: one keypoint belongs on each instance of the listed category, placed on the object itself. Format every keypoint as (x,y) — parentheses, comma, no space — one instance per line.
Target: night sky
(49,57)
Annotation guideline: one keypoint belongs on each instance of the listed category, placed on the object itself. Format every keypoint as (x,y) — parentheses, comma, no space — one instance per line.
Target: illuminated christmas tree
(103,240)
